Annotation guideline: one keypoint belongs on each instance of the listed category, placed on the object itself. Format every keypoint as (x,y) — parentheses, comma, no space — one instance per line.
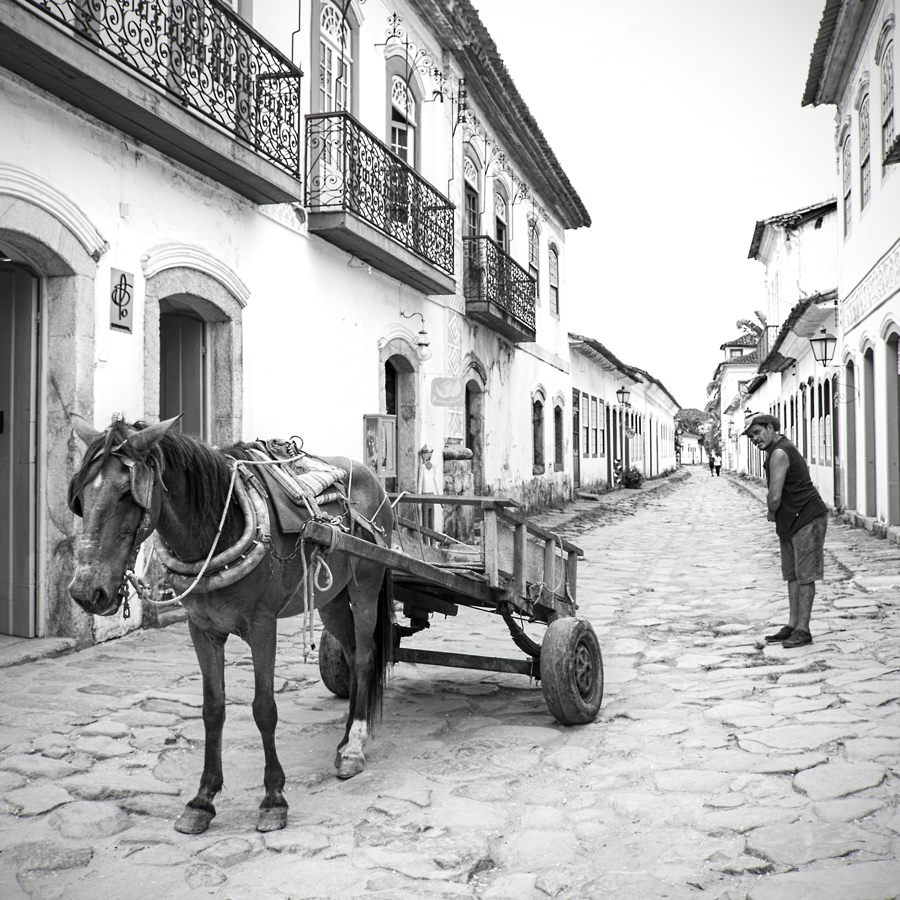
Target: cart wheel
(333,666)
(572,671)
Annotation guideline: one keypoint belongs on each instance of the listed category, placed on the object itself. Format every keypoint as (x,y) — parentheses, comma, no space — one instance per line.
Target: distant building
(606,431)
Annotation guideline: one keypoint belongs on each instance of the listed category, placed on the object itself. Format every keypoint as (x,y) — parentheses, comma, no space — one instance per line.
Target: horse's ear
(84,429)
(143,441)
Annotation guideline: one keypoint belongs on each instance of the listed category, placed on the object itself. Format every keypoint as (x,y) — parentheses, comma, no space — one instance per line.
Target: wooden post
(519,566)
(572,572)
(550,578)
(491,548)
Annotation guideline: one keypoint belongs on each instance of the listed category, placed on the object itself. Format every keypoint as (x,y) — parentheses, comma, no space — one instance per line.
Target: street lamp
(823,345)
(622,394)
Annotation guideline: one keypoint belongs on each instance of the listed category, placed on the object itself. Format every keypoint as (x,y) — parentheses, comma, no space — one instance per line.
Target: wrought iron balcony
(499,292)
(189,77)
(365,199)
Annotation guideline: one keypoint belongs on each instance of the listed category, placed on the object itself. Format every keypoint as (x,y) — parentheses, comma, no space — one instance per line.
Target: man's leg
(806,593)
(800,597)
(794,603)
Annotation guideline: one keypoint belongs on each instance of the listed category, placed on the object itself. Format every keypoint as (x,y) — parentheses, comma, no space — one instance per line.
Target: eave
(841,33)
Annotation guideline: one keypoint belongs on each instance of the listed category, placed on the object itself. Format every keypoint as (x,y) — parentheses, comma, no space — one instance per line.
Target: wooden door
(182,371)
(18,450)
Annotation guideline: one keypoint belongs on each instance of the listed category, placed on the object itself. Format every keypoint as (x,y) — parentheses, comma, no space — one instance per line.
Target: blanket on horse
(298,484)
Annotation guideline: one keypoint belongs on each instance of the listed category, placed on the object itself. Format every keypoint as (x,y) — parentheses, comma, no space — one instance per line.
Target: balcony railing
(499,292)
(204,55)
(348,169)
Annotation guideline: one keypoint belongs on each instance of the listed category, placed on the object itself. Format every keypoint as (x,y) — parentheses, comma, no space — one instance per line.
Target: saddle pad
(297,485)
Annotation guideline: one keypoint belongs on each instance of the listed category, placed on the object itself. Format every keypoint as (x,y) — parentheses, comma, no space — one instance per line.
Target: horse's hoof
(272,819)
(194,821)
(350,766)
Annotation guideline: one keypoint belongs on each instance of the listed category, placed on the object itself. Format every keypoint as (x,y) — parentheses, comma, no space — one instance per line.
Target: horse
(135,479)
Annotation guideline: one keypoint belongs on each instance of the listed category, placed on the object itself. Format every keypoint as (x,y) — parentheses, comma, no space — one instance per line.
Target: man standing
(800,518)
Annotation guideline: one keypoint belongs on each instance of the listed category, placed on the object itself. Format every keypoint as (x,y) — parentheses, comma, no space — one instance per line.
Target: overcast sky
(679,124)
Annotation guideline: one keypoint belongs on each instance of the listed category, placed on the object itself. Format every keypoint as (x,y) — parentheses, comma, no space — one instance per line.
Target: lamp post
(622,395)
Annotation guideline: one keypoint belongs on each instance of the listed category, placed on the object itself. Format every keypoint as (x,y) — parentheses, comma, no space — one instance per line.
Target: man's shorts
(803,552)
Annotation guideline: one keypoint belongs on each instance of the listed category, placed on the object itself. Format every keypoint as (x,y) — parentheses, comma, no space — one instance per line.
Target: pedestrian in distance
(712,464)
(718,462)
(800,518)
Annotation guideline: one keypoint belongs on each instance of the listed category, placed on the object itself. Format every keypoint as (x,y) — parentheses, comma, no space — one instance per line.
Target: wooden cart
(519,571)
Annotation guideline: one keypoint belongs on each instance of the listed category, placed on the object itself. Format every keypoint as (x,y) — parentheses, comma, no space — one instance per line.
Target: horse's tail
(384,647)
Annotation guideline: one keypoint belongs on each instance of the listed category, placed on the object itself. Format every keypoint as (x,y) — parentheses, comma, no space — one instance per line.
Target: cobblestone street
(718,767)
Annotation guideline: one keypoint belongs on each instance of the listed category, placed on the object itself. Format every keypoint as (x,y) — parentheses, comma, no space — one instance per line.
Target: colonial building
(370,256)
(852,69)
(798,251)
(621,417)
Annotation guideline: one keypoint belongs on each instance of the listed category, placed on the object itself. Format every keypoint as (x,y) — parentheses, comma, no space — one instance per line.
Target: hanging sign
(121,294)
(448,391)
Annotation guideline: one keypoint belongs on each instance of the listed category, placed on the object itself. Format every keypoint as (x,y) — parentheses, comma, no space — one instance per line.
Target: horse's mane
(206,469)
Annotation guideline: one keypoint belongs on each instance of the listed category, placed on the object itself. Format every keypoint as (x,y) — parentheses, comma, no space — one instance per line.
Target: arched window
(403,121)
(554,280)
(537,435)
(887,99)
(558,437)
(534,256)
(501,231)
(847,178)
(335,59)
(472,198)
(865,168)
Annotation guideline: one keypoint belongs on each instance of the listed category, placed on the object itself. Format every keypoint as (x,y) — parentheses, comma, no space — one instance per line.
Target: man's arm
(778,469)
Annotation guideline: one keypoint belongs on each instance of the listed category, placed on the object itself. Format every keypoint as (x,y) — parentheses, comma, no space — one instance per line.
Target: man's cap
(763,419)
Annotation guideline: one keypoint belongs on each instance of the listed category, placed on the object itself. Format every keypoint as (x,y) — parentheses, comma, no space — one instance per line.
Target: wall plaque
(448,391)
(121,295)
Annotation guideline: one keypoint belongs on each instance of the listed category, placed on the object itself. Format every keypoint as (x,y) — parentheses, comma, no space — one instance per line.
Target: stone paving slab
(718,767)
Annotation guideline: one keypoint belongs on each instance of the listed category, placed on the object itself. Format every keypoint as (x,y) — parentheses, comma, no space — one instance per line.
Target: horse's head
(118,493)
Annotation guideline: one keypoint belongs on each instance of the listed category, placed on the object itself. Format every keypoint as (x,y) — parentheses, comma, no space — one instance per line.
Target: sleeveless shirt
(800,501)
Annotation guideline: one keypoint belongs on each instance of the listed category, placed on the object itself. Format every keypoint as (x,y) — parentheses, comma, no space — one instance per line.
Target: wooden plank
(572,572)
(393,559)
(515,518)
(491,550)
(534,569)
(453,500)
(529,667)
(425,602)
(520,552)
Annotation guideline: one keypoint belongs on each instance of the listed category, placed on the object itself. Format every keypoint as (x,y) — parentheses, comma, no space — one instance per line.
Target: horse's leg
(363,593)
(210,650)
(263,639)
(337,618)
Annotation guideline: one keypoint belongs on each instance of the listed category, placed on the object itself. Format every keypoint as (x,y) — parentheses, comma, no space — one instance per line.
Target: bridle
(144,476)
